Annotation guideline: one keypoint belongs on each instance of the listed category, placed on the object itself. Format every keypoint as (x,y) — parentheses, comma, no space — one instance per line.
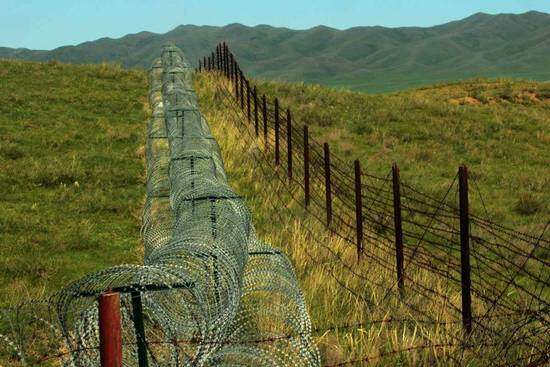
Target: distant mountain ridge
(372,58)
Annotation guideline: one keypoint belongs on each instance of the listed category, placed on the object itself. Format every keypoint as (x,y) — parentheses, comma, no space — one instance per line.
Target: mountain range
(370,58)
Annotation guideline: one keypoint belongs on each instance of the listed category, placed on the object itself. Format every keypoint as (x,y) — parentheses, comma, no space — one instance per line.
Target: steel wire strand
(508,284)
(336,182)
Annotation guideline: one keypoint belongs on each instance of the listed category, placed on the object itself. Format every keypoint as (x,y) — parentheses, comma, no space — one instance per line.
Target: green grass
(71,176)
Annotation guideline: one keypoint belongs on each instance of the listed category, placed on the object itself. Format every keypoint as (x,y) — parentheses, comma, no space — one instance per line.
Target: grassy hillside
(71,173)
(429,132)
(361,58)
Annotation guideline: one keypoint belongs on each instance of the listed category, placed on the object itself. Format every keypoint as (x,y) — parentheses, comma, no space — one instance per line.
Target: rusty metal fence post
(228,65)
(137,315)
(277,156)
(241,87)
(358,209)
(222,58)
(218,58)
(264,115)
(231,68)
(237,92)
(398,226)
(306,165)
(465,249)
(225,60)
(110,333)
(289,143)
(328,190)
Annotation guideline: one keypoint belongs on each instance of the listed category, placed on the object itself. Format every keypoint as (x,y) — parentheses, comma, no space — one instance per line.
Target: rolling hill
(362,58)
(71,152)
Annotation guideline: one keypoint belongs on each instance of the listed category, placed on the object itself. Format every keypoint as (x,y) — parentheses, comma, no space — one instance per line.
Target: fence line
(421,231)
(282,204)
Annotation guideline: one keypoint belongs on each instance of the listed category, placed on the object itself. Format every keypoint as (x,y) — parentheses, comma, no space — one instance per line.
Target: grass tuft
(527,204)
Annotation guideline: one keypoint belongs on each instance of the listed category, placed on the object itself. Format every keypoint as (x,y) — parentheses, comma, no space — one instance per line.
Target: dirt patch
(530,96)
(523,97)
(464,101)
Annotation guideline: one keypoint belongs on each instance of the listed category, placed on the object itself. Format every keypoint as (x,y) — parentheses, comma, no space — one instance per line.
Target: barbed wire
(494,268)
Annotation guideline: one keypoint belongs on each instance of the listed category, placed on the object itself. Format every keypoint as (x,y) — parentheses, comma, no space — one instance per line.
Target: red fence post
(110,335)
(289,143)
(306,165)
(358,209)
(465,249)
(328,190)
(398,227)
(277,157)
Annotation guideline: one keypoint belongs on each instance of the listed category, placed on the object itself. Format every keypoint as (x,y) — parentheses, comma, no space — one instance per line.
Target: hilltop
(362,58)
